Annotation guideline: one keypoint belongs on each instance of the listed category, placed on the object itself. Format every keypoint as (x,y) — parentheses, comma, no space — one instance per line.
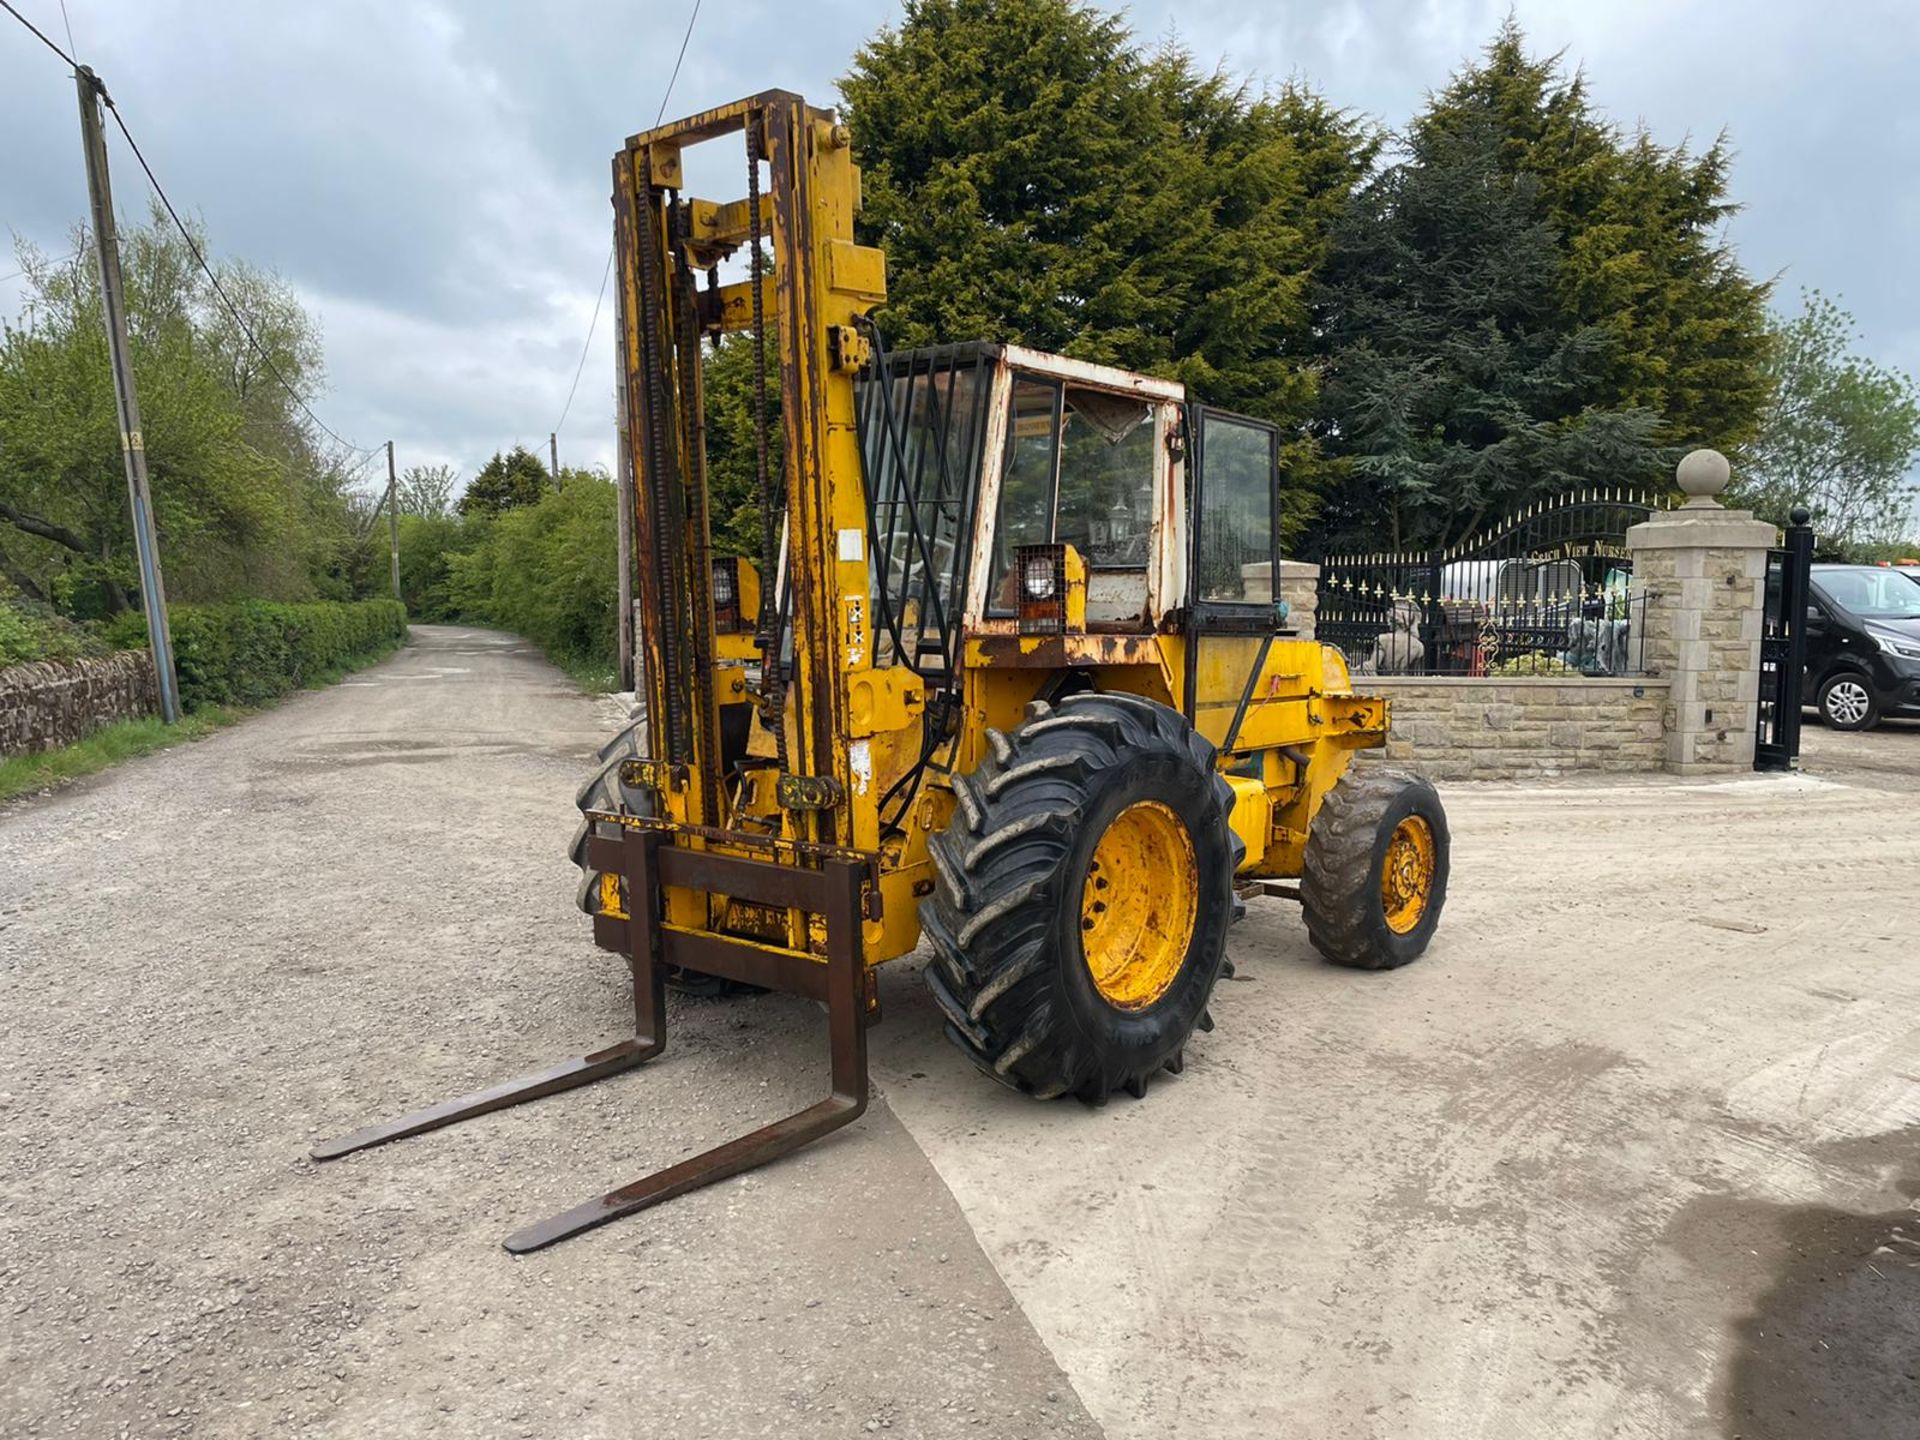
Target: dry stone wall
(55,702)
(1476,729)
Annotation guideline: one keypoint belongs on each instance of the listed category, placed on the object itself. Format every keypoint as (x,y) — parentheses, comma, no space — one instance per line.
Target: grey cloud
(433,177)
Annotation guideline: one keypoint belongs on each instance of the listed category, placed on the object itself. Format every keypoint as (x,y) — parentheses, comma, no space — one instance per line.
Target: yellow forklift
(1010,676)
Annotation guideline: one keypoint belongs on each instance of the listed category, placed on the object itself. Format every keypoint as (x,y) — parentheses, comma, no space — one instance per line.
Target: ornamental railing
(1547,592)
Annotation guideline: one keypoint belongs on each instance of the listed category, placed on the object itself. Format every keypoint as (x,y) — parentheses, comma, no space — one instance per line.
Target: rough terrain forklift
(1010,675)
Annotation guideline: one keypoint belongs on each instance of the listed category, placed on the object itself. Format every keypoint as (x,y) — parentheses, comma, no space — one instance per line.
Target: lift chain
(664,497)
(767,630)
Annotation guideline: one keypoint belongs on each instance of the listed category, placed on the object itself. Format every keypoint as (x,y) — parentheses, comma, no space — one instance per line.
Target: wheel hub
(1139,904)
(1406,876)
(1847,702)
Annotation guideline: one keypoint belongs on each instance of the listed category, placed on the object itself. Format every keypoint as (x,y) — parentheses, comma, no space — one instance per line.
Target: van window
(1872,594)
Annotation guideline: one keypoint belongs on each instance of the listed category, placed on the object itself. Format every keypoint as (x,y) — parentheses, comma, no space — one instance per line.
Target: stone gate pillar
(1703,569)
(1299,587)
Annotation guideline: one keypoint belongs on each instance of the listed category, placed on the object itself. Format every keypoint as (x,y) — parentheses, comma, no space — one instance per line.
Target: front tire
(1846,702)
(1375,876)
(1085,887)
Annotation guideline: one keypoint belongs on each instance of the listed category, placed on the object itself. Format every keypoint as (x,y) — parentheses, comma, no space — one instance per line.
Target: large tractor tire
(1375,877)
(1079,919)
(603,791)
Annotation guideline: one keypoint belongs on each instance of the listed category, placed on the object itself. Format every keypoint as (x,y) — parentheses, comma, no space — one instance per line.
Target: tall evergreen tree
(1459,391)
(506,482)
(1529,298)
(1035,177)
(1643,254)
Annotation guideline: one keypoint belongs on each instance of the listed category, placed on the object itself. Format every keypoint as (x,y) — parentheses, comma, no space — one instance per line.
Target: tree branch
(45,529)
(22,581)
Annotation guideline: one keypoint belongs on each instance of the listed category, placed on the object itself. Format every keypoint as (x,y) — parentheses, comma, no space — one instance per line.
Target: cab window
(1026,484)
(1079,471)
(1106,479)
(1235,542)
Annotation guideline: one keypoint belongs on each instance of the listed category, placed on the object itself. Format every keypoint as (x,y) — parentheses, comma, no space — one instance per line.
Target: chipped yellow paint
(1406,874)
(1139,903)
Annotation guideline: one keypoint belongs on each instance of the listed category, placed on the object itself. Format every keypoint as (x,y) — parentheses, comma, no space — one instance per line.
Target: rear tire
(1846,702)
(1023,894)
(1375,877)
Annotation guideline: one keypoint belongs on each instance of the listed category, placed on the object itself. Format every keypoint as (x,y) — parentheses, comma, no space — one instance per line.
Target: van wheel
(1846,702)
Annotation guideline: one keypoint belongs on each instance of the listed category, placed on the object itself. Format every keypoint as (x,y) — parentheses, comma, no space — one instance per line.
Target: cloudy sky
(432,177)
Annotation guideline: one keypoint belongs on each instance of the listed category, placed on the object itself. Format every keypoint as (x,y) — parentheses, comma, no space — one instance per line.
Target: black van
(1863,644)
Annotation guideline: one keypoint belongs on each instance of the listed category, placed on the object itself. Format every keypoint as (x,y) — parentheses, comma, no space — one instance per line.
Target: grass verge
(27,774)
(595,677)
(24,774)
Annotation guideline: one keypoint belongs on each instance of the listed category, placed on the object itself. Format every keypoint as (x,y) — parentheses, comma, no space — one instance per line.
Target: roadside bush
(546,571)
(31,632)
(428,544)
(249,652)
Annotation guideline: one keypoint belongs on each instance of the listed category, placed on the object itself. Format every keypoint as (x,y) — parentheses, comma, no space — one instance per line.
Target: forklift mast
(806,290)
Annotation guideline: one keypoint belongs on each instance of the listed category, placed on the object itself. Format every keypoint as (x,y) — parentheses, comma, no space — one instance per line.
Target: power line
(214,280)
(39,35)
(187,235)
(56,260)
(662,113)
(592,324)
(600,299)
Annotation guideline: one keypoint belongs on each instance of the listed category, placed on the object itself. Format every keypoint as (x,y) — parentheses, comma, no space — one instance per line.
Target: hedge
(250,651)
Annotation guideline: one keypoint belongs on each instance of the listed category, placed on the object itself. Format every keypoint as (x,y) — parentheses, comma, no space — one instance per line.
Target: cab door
(1233,561)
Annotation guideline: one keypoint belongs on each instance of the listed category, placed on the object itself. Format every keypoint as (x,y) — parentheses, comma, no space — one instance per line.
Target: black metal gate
(1783,648)
(1545,591)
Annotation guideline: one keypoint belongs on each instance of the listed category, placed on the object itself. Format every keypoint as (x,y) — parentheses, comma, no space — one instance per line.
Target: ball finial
(1800,515)
(1702,474)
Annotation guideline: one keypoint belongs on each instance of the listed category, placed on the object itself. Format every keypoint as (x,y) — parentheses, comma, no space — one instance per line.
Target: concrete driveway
(1886,757)
(1631,1152)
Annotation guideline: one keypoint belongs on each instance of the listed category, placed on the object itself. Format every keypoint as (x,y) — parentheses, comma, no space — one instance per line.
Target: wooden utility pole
(393,519)
(553,455)
(623,494)
(106,242)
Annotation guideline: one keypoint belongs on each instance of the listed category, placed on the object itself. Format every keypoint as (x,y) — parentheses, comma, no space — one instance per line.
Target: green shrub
(546,571)
(1534,662)
(32,632)
(248,652)
(17,640)
(429,544)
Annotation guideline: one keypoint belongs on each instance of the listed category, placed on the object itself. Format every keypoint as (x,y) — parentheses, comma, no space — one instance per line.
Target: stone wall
(1478,729)
(1299,587)
(56,702)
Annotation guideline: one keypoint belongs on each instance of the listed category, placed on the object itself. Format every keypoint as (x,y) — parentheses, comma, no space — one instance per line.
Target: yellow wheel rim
(1406,876)
(1138,905)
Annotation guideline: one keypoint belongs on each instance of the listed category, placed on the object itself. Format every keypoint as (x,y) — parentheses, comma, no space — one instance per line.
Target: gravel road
(356,903)
(1633,1152)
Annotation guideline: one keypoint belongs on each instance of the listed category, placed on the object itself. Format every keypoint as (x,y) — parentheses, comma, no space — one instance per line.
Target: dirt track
(1630,1153)
(355,904)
